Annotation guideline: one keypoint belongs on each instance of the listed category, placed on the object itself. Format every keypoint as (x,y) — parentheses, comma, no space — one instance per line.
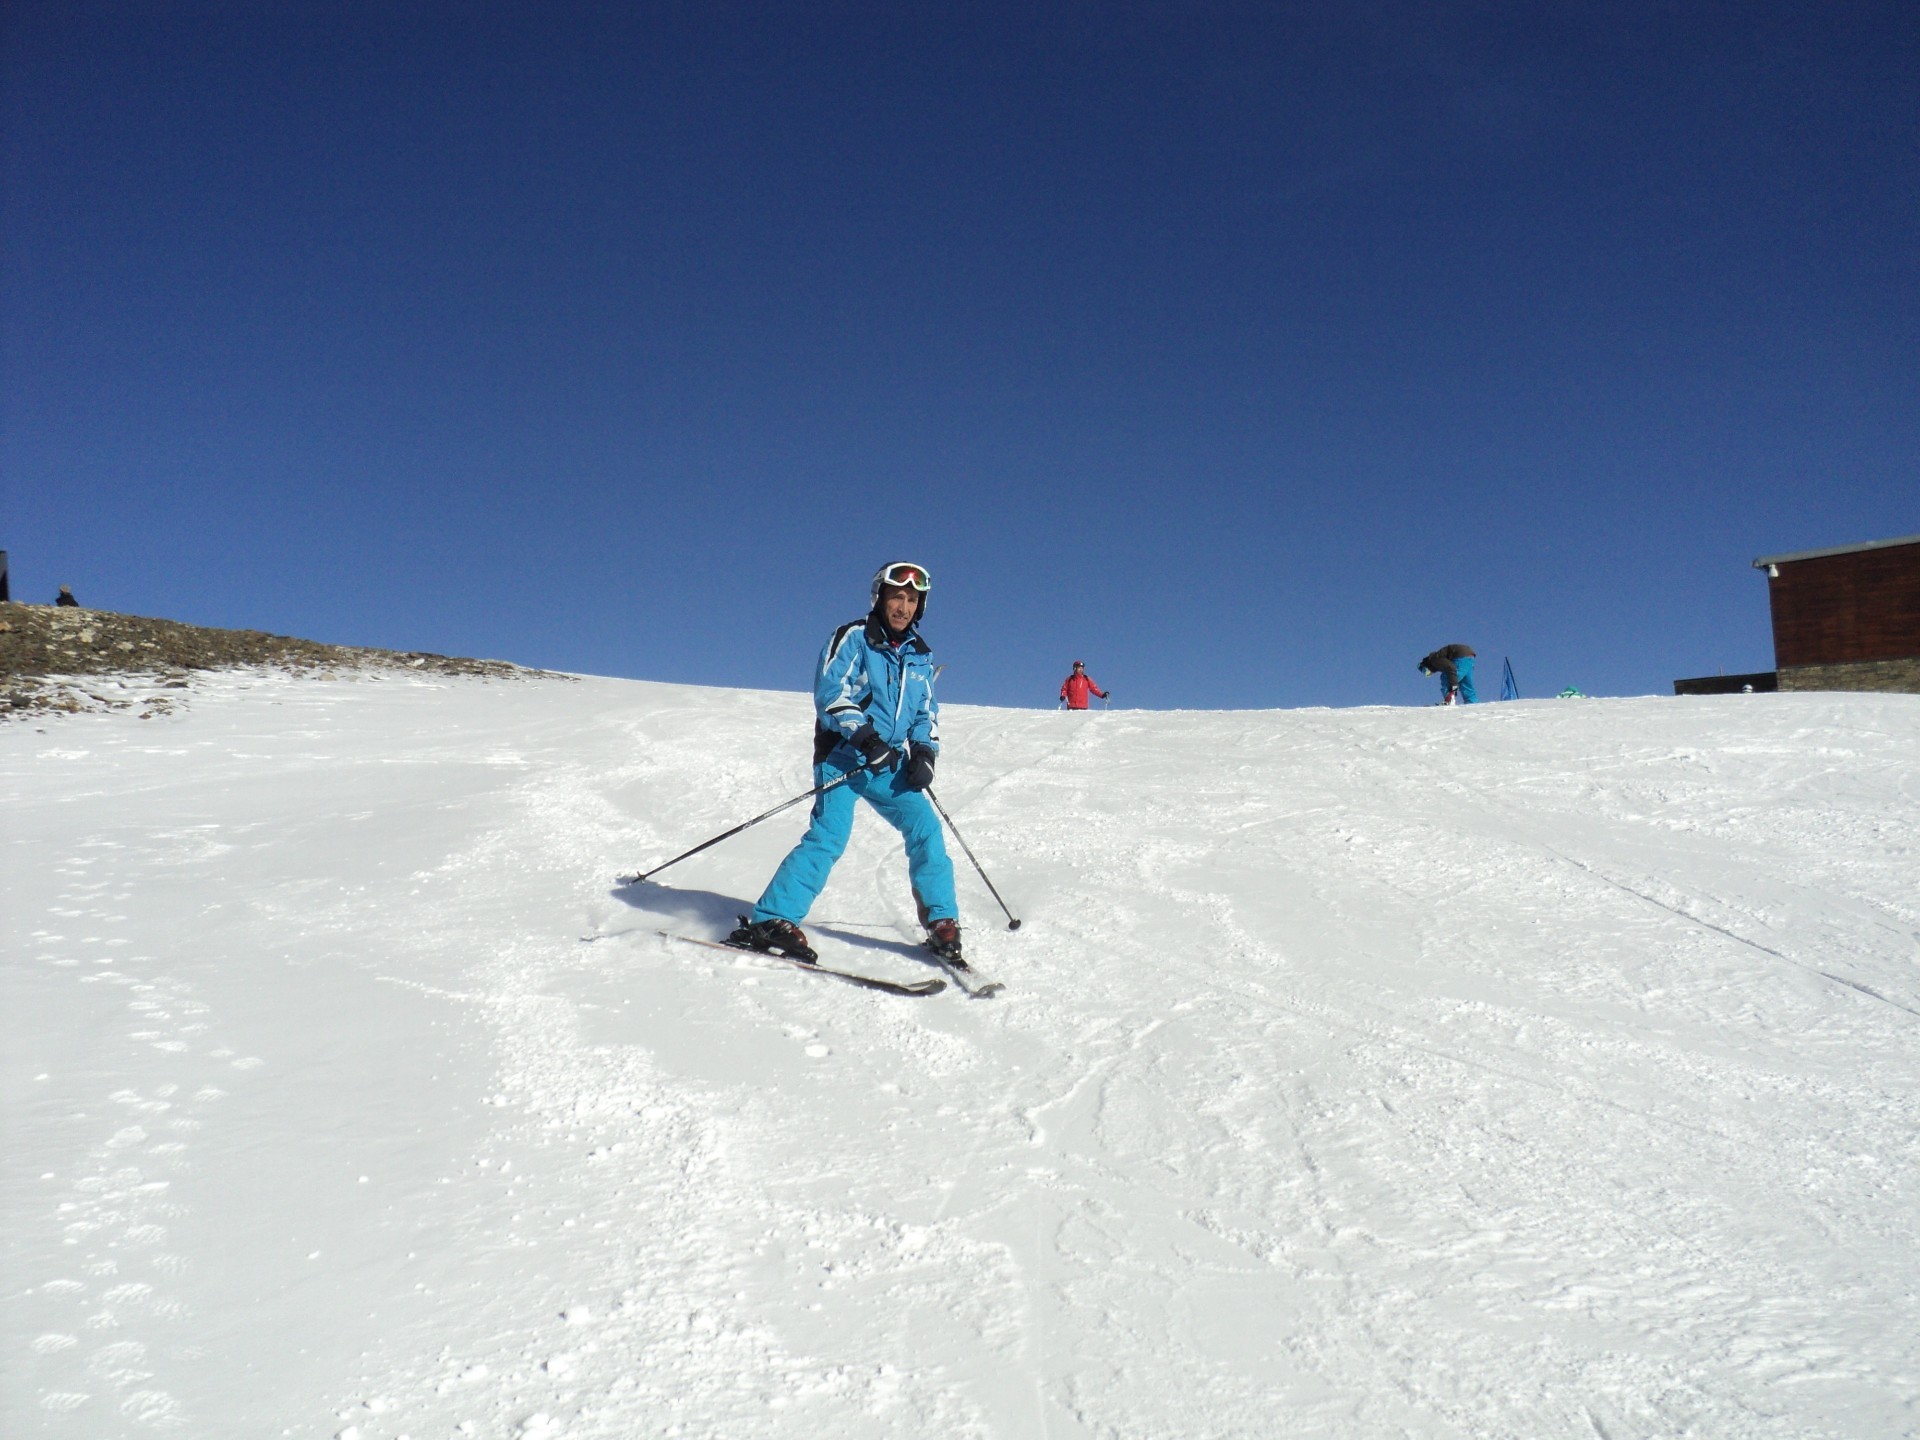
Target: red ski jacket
(1074,690)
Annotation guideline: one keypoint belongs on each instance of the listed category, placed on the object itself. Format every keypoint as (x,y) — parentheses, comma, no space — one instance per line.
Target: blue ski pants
(803,874)
(1464,665)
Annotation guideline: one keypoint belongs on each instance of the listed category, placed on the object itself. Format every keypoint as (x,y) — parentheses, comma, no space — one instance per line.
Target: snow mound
(1539,1069)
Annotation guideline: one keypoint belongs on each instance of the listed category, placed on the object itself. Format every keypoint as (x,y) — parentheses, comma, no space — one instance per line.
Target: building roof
(1766,560)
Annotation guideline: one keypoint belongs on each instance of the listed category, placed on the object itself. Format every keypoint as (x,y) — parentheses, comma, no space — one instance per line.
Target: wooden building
(1847,618)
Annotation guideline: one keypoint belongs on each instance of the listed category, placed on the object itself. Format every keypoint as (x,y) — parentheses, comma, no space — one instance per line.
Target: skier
(1454,665)
(876,723)
(1074,689)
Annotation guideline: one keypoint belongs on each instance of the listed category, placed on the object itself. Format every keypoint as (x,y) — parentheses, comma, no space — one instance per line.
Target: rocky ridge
(56,660)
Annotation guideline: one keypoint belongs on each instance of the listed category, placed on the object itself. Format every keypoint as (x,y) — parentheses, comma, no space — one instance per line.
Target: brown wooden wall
(1864,605)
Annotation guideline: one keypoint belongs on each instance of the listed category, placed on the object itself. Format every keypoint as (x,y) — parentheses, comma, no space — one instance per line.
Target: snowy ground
(1530,1070)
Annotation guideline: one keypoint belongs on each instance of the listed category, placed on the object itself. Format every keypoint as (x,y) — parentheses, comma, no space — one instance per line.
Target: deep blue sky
(1246,351)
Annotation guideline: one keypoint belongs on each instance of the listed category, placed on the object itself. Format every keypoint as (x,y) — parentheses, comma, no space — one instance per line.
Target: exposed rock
(55,659)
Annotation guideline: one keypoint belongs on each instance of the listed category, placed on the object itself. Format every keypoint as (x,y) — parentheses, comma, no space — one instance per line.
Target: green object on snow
(1570,693)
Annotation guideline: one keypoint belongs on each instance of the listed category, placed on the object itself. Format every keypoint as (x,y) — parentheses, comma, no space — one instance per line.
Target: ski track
(1360,1073)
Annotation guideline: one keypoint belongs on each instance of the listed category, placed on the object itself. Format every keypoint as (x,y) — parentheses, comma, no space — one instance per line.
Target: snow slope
(1534,1070)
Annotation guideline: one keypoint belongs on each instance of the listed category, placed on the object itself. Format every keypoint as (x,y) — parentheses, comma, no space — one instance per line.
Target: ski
(869,982)
(968,980)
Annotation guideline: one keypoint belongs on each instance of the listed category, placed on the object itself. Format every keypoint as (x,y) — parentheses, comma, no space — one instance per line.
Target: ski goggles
(905,576)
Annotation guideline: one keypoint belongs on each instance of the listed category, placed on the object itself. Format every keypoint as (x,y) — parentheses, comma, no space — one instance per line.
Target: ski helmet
(903,574)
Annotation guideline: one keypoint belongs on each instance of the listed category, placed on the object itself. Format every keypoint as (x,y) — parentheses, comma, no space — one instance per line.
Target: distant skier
(876,723)
(1454,665)
(65,597)
(1076,687)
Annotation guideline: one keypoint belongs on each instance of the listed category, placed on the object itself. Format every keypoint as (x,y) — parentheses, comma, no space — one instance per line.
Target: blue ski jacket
(865,679)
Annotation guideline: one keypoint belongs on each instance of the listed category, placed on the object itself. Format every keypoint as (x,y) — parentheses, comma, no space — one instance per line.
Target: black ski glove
(879,755)
(919,772)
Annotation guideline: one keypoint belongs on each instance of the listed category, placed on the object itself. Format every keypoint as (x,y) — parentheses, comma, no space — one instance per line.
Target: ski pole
(1012,924)
(705,844)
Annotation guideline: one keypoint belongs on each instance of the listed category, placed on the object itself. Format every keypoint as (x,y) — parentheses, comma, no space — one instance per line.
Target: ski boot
(782,936)
(943,938)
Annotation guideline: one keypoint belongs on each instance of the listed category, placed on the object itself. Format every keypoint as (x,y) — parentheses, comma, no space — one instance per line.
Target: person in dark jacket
(1454,665)
(1077,686)
(65,597)
(877,731)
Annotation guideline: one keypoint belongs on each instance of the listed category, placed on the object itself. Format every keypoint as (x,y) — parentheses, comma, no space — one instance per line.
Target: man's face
(897,604)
